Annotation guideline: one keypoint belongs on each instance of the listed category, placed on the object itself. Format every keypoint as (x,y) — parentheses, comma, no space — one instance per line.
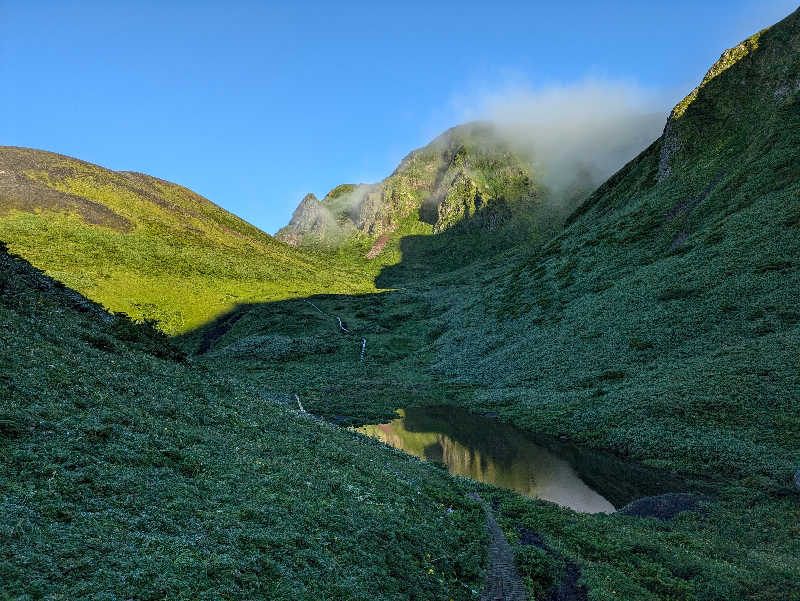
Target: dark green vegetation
(661,324)
(134,475)
(145,246)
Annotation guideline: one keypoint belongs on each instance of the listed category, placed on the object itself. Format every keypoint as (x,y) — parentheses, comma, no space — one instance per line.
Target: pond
(487,450)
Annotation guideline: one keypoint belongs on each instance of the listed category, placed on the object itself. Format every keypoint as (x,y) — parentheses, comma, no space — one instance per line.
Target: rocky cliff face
(310,222)
(467,178)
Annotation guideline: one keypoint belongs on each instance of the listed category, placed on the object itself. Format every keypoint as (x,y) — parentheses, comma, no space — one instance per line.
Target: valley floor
(743,545)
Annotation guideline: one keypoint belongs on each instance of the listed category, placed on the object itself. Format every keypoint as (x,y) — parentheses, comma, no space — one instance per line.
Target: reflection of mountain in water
(489,452)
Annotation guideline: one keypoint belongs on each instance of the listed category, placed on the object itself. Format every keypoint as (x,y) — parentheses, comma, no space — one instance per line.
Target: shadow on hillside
(306,330)
(290,317)
(429,256)
(424,258)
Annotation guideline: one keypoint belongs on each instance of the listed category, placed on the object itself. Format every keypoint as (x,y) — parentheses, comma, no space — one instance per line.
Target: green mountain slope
(134,476)
(145,246)
(671,294)
(661,323)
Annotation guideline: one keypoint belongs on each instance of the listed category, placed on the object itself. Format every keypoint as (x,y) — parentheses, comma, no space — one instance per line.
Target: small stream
(484,449)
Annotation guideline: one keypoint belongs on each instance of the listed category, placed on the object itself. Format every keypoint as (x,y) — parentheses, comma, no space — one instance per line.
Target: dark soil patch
(667,506)
(687,206)
(528,538)
(567,588)
(17,192)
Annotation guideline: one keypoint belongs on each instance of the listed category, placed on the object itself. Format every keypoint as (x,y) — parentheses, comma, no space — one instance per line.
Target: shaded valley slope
(660,323)
(130,473)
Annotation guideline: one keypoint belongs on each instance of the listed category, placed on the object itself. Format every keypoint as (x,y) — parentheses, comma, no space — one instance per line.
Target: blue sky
(253,104)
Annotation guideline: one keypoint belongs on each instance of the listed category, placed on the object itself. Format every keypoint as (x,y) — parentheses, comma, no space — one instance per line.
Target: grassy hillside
(145,246)
(671,294)
(129,473)
(661,324)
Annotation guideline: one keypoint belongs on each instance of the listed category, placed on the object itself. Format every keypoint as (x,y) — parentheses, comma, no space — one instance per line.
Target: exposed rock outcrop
(467,176)
(310,222)
(666,506)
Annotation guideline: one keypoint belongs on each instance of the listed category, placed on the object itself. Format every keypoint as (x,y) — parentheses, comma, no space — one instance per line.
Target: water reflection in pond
(489,451)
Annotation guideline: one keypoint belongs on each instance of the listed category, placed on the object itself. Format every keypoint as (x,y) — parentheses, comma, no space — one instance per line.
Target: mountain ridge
(142,245)
(467,177)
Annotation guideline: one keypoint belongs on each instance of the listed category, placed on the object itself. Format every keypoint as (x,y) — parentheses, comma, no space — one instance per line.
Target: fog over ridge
(587,130)
(573,137)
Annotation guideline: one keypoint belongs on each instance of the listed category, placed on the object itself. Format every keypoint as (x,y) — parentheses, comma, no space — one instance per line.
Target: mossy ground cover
(129,476)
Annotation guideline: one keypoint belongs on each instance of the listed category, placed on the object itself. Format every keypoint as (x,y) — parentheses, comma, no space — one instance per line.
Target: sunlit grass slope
(128,473)
(145,246)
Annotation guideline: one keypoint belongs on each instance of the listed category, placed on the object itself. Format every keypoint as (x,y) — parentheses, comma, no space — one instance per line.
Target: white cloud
(590,128)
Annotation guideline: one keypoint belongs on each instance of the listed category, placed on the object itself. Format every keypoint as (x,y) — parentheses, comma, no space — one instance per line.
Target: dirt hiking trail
(502,579)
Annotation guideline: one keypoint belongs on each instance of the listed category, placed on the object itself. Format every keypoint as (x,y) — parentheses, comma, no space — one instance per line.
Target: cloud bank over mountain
(577,134)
